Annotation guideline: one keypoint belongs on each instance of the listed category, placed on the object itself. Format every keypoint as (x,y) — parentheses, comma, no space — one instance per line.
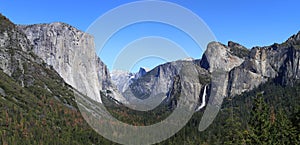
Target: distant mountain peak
(188,59)
(122,79)
(142,71)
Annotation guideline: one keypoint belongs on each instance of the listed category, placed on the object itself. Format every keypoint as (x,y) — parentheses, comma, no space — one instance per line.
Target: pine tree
(232,127)
(296,122)
(260,124)
(268,127)
(283,131)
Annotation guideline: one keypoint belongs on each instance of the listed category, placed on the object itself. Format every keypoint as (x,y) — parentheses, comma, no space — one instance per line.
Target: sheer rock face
(218,56)
(71,53)
(247,69)
(255,70)
(219,59)
(279,62)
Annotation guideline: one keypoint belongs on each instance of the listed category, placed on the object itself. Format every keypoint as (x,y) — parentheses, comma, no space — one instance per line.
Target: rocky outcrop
(238,50)
(12,43)
(71,53)
(247,69)
(218,56)
(255,70)
(279,62)
(219,59)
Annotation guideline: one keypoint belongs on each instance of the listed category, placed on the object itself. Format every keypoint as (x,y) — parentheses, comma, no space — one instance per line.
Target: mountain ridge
(228,57)
(38,105)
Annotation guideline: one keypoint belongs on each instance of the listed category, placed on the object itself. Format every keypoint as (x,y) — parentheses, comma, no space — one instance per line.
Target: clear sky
(248,22)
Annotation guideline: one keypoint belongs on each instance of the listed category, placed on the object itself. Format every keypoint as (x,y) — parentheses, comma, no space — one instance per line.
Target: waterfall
(203,100)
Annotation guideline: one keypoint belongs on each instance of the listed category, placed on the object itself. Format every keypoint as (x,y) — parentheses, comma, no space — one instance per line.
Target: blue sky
(248,22)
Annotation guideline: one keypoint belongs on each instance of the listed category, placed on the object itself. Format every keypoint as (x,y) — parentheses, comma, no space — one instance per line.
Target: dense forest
(268,114)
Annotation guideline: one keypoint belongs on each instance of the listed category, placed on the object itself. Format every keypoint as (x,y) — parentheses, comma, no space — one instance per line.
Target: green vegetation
(5,23)
(240,51)
(34,116)
(134,117)
(269,127)
(266,115)
(297,47)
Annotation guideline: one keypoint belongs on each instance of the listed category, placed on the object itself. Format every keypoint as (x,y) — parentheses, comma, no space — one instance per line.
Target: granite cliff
(248,68)
(71,52)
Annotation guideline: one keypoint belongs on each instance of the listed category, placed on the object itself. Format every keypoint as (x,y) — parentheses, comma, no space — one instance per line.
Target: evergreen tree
(283,131)
(232,127)
(267,127)
(296,122)
(260,124)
